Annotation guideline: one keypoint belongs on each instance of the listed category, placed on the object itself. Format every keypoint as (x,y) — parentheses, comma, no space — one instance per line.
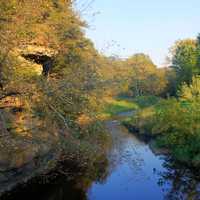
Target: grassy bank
(114,106)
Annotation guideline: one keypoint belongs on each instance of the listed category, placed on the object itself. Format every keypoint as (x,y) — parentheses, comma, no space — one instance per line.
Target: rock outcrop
(39,55)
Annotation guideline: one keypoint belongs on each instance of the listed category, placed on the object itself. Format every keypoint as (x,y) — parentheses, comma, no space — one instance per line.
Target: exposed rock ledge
(35,167)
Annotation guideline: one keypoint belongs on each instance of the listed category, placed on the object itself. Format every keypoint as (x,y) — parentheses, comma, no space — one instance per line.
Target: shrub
(175,123)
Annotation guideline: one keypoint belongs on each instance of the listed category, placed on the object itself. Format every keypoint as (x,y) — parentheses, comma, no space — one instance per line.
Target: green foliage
(179,125)
(184,61)
(191,93)
(175,123)
(198,50)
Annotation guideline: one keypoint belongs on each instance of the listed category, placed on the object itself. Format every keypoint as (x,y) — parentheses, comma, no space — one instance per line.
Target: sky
(126,27)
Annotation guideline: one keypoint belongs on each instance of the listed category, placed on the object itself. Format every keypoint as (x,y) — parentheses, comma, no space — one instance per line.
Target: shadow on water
(72,185)
(180,181)
(130,171)
(55,191)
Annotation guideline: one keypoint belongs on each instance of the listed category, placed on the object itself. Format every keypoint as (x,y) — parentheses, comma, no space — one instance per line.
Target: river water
(133,172)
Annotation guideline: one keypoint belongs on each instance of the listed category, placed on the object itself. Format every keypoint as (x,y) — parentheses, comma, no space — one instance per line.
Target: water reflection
(71,186)
(136,173)
(61,190)
(180,182)
(129,171)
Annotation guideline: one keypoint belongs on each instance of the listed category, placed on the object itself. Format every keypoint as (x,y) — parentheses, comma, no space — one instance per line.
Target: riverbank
(147,138)
(114,106)
(173,125)
(124,109)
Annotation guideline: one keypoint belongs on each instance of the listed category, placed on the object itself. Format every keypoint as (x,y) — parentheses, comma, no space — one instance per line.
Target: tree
(146,78)
(184,61)
(198,51)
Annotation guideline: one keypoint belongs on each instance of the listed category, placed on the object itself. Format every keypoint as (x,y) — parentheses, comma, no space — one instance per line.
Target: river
(133,172)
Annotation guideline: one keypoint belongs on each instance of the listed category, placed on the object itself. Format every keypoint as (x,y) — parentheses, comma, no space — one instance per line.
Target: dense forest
(57,90)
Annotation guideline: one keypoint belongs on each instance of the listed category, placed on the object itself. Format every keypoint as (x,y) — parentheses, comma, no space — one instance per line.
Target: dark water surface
(133,173)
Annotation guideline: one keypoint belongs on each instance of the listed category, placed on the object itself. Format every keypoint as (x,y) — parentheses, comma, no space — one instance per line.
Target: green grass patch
(115,106)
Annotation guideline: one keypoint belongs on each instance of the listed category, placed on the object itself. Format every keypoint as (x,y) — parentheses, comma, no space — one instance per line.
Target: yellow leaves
(84,120)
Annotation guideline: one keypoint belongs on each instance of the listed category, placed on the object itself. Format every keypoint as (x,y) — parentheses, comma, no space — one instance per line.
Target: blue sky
(148,26)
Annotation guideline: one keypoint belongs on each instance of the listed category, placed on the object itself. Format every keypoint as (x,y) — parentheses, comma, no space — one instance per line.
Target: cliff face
(26,148)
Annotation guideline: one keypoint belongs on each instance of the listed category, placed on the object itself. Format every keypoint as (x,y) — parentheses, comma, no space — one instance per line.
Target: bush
(175,123)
